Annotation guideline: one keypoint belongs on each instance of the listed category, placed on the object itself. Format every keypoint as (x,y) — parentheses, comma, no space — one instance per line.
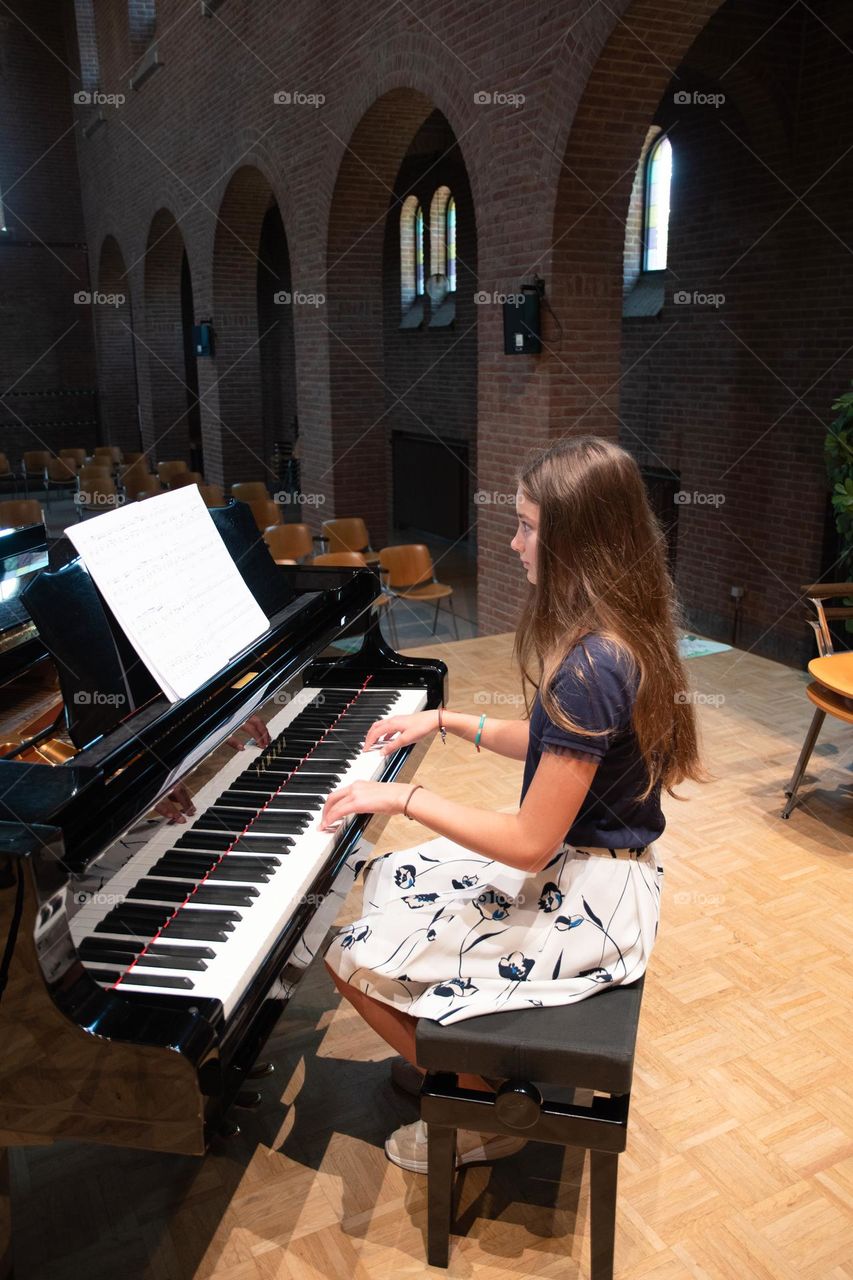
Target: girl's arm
(505,737)
(526,840)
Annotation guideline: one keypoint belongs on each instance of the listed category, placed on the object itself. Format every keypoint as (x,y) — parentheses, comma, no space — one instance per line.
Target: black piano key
(322,782)
(199,932)
(105,976)
(175,961)
(92,946)
(173,949)
(221,874)
(219,861)
(160,890)
(176,891)
(113,955)
(206,841)
(263,844)
(225,895)
(135,979)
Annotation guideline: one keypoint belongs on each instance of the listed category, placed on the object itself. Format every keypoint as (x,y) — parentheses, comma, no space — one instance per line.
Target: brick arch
(593,193)
(244,281)
(114,334)
(170,395)
(363,201)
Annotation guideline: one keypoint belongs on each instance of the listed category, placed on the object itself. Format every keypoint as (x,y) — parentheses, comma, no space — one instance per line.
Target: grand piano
(143,964)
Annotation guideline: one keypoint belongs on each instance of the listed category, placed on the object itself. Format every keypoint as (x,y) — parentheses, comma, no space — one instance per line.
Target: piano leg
(5,1217)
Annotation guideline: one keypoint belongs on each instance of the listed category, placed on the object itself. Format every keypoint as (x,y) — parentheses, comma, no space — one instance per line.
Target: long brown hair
(601,567)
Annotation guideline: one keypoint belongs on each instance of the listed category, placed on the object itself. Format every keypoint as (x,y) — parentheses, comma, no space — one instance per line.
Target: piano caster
(260,1070)
(247,1100)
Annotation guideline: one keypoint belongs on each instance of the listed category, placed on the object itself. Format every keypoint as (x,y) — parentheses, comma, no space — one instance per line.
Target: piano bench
(587,1045)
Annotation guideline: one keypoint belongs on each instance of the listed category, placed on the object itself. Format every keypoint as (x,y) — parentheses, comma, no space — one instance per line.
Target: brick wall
(733,395)
(47,371)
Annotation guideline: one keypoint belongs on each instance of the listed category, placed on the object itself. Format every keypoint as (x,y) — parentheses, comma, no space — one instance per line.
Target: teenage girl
(553,903)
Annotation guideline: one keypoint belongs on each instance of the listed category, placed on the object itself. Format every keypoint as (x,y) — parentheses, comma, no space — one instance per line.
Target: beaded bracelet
(479,731)
(441,728)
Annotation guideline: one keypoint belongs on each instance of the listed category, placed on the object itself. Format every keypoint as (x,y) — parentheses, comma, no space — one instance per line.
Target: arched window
(442,238)
(657,203)
(411,251)
(87,42)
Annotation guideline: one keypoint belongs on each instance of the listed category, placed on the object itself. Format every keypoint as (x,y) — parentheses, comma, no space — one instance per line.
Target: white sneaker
(407,1147)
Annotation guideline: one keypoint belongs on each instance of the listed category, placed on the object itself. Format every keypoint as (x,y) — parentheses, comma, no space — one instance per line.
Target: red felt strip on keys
(218,861)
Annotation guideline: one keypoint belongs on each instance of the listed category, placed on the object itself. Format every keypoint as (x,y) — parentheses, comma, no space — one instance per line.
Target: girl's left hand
(364,797)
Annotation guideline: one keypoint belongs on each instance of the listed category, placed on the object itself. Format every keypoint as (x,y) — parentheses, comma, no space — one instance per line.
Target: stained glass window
(658,191)
(451,245)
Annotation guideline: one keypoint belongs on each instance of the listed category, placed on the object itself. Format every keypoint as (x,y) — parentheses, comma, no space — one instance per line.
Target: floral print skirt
(435,940)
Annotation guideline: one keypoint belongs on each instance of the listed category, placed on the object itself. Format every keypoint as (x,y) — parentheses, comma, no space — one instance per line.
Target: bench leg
(441,1160)
(604,1167)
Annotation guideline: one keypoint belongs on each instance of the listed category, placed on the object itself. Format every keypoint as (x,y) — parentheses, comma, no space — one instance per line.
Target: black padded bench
(587,1045)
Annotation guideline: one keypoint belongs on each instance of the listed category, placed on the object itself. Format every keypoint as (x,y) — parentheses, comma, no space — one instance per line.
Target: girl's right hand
(408,729)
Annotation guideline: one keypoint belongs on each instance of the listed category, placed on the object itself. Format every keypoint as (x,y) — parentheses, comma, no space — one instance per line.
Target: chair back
(289,541)
(79,455)
(17,512)
(408,565)
(130,457)
(137,480)
(109,451)
(61,470)
(35,461)
(90,474)
(818,593)
(183,478)
(342,559)
(250,491)
(97,495)
(267,513)
(347,534)
(168,470)
(5,469)
(212,494)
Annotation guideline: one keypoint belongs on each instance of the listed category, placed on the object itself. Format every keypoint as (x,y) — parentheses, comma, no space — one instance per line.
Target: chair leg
(453,611)
(441,1160)
(808,747)
(604,1167)
(435,618)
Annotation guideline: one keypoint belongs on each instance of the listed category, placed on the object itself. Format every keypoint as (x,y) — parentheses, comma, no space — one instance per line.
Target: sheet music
(165,572)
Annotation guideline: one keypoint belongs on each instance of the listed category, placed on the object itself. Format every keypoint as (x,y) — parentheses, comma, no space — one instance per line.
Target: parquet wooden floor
(740,1151)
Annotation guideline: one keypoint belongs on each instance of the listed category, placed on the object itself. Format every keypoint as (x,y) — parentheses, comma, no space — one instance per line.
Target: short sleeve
(596,688)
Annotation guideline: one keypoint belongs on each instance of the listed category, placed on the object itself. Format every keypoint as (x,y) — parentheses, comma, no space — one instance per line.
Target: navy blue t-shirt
(600,697)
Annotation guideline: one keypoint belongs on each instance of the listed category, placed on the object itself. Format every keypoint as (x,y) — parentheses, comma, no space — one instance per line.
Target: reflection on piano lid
(150,962)
(23,554)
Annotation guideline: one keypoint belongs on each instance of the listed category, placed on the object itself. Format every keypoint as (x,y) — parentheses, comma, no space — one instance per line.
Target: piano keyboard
(198,907)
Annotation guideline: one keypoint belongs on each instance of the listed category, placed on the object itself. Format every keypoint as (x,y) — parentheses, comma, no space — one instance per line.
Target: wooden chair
(289,542)
(250,491)
(17,512)
(588,1047)
(411,577)
(355,560)
(111,452)
(266,512)
(168,470)
(90,474)
(150,489)
(35,468)
(97,496)
(137,479)
(7,476)
(79,455)
(349,534)
(831,690)
(131,457)
(62,475)
(183,478)
(213,495)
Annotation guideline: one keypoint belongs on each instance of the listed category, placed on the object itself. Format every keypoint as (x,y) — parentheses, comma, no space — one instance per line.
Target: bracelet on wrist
(479,732)
(441,728)
(406,813)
